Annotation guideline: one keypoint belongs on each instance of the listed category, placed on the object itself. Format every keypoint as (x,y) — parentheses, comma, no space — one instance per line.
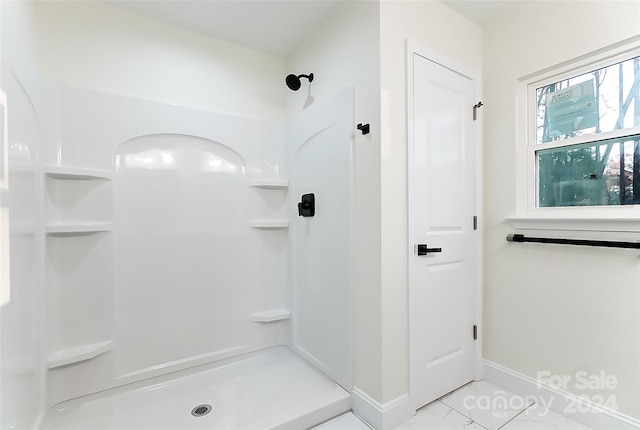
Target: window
(584,135)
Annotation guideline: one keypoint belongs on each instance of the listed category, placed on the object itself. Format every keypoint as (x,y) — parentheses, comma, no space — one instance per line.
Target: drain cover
(201,410)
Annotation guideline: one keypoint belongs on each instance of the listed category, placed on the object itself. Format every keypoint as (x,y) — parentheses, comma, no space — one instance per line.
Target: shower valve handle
(307,205)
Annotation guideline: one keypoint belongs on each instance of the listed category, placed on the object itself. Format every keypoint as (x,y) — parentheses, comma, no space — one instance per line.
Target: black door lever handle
(422,249)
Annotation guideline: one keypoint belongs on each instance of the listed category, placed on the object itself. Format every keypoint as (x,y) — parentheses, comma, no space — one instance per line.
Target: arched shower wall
(183,250)
(22,338)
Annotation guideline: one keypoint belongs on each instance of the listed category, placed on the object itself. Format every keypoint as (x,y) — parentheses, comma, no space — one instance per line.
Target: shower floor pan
(271,389)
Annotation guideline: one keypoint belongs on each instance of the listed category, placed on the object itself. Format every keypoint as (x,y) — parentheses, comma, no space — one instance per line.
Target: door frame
(412,49)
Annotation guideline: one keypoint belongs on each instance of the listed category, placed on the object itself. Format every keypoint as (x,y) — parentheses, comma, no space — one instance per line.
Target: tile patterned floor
(475,406)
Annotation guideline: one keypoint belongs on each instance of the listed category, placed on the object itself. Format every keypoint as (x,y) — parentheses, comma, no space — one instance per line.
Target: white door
(441,211)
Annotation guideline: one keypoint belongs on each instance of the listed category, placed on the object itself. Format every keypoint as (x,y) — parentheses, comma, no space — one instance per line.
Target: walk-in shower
(161,274)
(182,288)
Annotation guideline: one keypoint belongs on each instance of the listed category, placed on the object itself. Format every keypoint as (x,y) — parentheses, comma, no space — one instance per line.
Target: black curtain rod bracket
(578,242)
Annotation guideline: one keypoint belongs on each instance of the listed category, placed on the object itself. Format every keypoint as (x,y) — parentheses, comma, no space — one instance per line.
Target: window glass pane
(594,102)
(593,174)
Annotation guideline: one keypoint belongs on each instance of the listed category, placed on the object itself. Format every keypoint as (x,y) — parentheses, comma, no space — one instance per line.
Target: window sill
(631,225)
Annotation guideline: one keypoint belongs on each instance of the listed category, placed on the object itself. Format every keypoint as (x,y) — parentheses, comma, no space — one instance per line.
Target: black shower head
(293,81)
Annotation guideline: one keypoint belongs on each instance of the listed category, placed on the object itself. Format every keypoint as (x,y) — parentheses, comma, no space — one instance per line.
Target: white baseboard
(378,416)
(590,414)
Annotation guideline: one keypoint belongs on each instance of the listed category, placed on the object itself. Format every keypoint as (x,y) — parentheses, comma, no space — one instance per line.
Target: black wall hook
(364,128)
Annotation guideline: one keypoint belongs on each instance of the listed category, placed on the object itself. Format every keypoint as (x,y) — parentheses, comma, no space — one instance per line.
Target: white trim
(413,47)
(602,55)
(596,60)
(381,416)
(631,225)
(601,138)
(558,400)
(479,203)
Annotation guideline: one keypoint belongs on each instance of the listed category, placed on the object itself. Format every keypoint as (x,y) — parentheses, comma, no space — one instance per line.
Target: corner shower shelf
(267,224)
(77,354)
(271,315)
(77,173)
(71,229)
(270,184)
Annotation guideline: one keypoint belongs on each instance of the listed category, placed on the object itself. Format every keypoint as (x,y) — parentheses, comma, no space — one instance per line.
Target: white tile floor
(476,406)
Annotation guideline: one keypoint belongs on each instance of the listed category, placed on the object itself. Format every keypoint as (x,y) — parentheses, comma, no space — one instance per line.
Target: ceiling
(273,26)
(482,11)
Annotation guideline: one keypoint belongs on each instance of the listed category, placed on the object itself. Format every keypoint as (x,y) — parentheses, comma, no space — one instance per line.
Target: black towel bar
(579,242)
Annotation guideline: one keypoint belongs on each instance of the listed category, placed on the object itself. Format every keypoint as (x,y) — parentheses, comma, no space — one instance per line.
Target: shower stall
(180,288)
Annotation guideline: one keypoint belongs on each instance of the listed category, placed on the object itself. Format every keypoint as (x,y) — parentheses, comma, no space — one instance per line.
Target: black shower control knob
(307,205)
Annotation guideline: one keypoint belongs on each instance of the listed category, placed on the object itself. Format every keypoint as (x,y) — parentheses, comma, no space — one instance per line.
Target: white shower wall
(98,47)
(164,269)
(320,160)
(20,316)
(22,341)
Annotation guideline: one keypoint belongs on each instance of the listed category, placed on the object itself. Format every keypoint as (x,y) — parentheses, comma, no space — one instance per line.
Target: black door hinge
(475,222)
(475,332)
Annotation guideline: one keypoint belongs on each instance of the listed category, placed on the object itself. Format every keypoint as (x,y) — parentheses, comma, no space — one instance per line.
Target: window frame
(625,218)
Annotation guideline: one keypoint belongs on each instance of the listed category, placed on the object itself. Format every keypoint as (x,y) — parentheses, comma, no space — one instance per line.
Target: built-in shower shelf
(77,354)
(270,184)
(269,224)
(77,173)
(71,229)
(271,315)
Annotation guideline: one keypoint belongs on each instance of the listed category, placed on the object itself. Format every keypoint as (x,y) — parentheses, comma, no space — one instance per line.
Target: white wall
(553,308)
(343,52)
(98,46)
(22,339)
(448,35)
